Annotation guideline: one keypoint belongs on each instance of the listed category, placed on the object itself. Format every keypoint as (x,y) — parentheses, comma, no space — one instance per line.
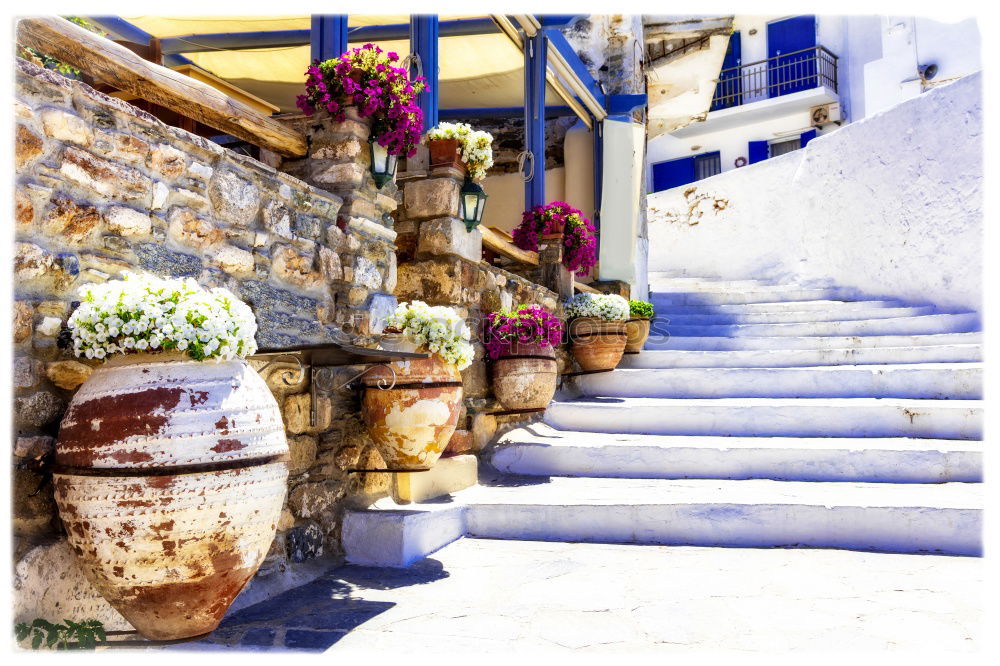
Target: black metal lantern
(473,202)
(383,165)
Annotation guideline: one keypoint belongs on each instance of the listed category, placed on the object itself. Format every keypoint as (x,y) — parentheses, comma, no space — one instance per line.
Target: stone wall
(103,187)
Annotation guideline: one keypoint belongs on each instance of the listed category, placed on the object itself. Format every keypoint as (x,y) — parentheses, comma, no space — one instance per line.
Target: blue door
(730,87)
(673,173)
(791,55)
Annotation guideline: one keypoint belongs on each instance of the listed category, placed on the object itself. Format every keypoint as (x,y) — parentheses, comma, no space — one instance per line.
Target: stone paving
(490,596)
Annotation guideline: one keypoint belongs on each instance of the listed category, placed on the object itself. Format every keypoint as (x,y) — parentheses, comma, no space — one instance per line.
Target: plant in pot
(637,326)
(559,220)
(171,462)
(366,78)
(521,345)
(458,145)
(412,421)
(597,330)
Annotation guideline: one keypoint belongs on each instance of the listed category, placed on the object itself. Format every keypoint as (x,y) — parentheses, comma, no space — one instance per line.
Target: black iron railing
(780,75)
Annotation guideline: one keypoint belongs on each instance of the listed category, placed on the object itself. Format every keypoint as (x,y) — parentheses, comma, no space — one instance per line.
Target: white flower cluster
(475,146)
(145,313)
(439,329)
(610,307)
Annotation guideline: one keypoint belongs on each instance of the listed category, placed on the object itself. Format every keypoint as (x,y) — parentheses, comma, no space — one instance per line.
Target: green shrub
(640,309)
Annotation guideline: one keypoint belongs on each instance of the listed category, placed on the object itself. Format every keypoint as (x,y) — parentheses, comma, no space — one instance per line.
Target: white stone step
(749,295)
(772,417)
(718,343)
(669,320)
(787,306)
(921,325)
(667,285)
(938,381)
(786,358)
(540,450)
(908,518)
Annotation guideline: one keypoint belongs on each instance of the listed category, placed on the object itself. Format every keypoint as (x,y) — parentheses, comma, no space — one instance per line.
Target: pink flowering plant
(579,235)
(365,77)
(528,324)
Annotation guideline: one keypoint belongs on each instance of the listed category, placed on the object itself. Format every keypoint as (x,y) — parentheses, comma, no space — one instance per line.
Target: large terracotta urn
(637,331)
(411,409)
(525,376)
(597,344)
(170,477)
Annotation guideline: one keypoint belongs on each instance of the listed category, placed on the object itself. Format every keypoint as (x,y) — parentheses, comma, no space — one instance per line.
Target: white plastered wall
(621,215)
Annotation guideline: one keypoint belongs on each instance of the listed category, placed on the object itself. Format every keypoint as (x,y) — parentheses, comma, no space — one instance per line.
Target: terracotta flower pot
(444,152)
(412,422)
(170,477)
(637,331)
(597,344)
(525,376)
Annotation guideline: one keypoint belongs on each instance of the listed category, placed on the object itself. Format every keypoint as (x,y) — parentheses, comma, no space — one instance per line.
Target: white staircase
(759,415)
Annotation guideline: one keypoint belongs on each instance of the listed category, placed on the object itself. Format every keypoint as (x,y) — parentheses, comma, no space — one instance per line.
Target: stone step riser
(795,317)
(923,325)
(946,383)
(785,419)
(823,461)
(718,343)
(889,529)
(792,306)
(788,358)
(744,296)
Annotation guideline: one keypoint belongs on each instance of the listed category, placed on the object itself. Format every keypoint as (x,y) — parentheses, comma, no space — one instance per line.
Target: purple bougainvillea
(366,78)
(579,235)
(528,324)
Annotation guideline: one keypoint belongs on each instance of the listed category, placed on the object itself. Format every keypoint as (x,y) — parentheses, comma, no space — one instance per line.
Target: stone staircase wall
(890,206)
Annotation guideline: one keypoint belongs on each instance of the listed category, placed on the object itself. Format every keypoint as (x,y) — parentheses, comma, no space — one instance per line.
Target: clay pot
(444,152)
(170,477)
(597,344)
(412,422)
(637,331)
(525,376)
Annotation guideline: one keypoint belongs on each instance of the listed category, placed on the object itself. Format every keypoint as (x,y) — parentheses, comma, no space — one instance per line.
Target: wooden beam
(581,287)
(119,67)
(496,242)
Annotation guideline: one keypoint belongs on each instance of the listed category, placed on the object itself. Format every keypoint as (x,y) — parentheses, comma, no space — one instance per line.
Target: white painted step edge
(788,358)
(787,317)
(922,324)
(718,343)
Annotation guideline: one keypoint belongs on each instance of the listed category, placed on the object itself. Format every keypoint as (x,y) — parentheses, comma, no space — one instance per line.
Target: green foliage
(49,62)
(70,636)
(640,309)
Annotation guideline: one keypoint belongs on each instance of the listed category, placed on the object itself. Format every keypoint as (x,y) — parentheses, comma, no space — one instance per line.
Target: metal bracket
(286,374)
(316,390)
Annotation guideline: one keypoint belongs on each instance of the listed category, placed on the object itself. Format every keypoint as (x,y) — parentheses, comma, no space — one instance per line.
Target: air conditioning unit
(827,113)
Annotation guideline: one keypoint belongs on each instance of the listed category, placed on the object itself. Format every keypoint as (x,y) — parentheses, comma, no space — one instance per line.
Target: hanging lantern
(383,165)
(473,202)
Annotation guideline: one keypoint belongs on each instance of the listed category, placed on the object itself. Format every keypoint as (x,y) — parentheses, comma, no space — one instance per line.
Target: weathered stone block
(304,542)
(366,273)
(302,451)
(313,499)
(31,262)
(127,221)
(449,236)
(104,177)
(278,218)
(189,229)
(64,126)
(430,281)
(27,146)
(68,374)
(379,307)
(34,448)
(167,161)
(431,197)
(38,409)
(346,149)
(289,265)
(71,221)
(130,147)
(24,209)
(235,198)
(26,372)
(22,324)
(330,264)
(342,176)
(157,259)
(33,512)
(233,260)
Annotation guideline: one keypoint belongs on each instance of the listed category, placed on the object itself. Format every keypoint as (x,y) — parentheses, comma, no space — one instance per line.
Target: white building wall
(890,205)
(877,68)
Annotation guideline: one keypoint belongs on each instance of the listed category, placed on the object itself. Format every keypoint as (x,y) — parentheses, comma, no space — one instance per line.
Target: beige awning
(475,71)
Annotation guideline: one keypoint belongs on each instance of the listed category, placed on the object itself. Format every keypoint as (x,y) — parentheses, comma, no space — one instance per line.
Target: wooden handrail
(580,286)
(495,241)
(117,66)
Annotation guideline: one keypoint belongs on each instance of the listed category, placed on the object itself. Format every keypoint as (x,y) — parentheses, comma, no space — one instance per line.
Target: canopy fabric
(475,71)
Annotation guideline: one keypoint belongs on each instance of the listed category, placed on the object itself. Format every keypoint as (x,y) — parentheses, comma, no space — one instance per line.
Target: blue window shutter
(673,173)
(758,151)
(806,137)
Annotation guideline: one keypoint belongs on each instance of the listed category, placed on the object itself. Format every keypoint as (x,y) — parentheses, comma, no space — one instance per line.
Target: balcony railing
(780,75)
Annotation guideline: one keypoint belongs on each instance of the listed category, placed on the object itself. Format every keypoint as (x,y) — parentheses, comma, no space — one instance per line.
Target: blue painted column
(424,43)
(598,172)
(535,53)
(328,36)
